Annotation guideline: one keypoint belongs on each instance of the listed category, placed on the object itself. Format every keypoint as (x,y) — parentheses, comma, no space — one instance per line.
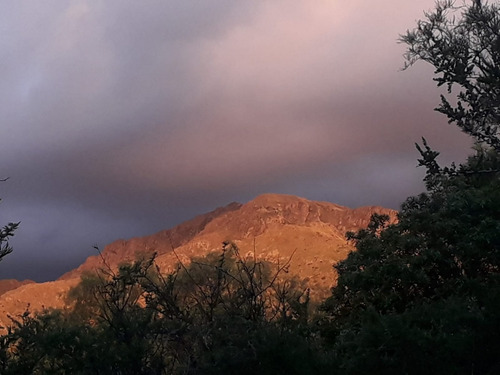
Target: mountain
(273,227)
(126,250)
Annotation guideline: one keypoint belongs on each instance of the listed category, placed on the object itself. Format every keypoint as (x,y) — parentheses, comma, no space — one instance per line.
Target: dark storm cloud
(121,118)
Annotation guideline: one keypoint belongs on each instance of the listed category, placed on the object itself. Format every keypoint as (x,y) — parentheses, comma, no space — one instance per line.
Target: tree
(221,314)
(423,294)
(5,233)
(462,43)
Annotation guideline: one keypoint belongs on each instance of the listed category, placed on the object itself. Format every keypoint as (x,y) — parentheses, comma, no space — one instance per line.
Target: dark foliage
(423,295)
(222,314)
(462,43)
(5,233)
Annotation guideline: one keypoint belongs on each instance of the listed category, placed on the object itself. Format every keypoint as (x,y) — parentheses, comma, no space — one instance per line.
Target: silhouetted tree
(423,295)
(462,43)
(5,233)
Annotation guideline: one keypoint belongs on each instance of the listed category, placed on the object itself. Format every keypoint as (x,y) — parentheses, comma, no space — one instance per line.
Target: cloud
(120,118)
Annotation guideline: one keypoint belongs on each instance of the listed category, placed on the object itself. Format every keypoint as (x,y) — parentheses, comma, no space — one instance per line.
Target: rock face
(273,227)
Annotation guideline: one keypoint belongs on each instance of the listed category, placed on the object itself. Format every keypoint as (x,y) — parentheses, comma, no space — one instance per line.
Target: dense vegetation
(418,296)
(221,314)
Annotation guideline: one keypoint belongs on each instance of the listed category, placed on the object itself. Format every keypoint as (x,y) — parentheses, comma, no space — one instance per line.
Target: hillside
(272,227)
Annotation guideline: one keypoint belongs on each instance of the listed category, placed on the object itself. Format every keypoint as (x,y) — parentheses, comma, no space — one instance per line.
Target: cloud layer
(120,118)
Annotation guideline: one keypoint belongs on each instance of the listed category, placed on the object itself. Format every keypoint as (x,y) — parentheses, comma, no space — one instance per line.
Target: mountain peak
(277,199)
(272,227)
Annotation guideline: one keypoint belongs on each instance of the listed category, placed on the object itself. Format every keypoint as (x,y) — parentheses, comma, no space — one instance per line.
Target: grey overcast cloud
(123,118)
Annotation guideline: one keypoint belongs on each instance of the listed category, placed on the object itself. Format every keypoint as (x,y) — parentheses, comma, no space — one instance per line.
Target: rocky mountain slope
(272,227)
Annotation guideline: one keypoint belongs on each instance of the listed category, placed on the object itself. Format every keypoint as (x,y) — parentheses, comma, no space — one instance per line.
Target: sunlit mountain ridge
(273,227)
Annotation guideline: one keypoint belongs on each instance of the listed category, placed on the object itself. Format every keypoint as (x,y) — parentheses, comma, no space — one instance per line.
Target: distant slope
(161,242)
(272,226)
(10,284)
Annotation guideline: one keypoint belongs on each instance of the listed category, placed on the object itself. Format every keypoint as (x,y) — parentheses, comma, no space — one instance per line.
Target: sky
(122,118)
